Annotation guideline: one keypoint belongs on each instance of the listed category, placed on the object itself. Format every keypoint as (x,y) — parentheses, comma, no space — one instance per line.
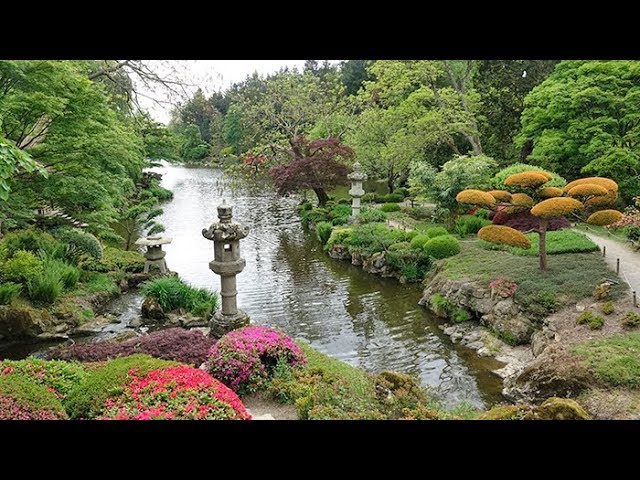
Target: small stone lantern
(227,263)
(356,177)
(154,254)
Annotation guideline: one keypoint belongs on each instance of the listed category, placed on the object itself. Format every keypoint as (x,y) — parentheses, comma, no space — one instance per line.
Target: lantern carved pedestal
(154,254)
(356,192)
(227,263)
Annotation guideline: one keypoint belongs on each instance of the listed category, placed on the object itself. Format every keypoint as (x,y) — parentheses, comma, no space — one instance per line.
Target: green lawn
(614,360)
(559,241)
(570,277)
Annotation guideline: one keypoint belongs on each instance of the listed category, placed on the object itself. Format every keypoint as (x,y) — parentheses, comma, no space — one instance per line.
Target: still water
(291,284)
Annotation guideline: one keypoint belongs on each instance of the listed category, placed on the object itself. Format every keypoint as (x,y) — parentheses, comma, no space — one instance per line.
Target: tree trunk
(322,196)
(390,182)
(542,250)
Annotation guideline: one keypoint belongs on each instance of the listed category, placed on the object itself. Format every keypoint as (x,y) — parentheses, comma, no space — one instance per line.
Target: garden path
(629,259)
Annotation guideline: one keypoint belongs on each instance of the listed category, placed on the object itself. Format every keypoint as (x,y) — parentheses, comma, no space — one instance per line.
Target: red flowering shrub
(243,359)
(525,221)
(184,346)
(57,377)
(504,286)
(21,399)
(175,393)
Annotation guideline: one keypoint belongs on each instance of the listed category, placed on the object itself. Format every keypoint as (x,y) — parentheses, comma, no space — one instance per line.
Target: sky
(210,76)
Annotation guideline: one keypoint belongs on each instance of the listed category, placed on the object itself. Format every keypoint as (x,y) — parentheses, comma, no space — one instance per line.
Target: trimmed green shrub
(631,319)
(481,213)
(608,308)
(77,243)
(45,288)
(8,292)
(436,232)
(419,240)
(373,237)
(173,294)
(315,215)
(412,264)
(22,267)
(22,399)
(594,322)
(371,215)
(369,198)
(114,259)
(399,246)
(419,213)
(392,198)
(338,236)
(390,207)
(469,224)
(323,231)
(87,400)
(401,191)
(442,247)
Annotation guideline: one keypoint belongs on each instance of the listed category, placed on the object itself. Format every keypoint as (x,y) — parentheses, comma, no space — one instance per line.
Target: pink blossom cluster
(243,359)
(12,409)
(504,286)
(179,393)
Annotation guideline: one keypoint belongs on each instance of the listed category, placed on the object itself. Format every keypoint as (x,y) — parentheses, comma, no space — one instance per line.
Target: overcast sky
(212,75)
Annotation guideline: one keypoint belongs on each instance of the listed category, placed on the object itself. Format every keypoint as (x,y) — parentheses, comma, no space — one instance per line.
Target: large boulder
(28,322)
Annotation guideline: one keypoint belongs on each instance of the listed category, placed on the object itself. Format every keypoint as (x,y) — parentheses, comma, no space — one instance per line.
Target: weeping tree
(140,219)
(585,198)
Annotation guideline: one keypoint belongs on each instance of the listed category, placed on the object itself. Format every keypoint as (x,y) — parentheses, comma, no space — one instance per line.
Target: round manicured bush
(419,240)
(87,400)
(436,232)
(390,207)
(77,243)
(504,236)
(442,247)
(243,359)
(56,376)
(184,346)
(22,399)
(399,246)
(174,393)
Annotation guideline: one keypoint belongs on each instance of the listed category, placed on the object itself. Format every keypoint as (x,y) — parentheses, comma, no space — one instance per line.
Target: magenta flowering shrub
(243,359)
(175,393)
(184,346)
(504,286)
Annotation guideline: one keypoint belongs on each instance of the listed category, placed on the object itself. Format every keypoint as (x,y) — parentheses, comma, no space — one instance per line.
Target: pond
(291,284)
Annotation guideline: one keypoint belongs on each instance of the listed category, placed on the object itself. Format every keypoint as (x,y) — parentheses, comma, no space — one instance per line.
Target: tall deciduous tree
(585,118)
(314,165)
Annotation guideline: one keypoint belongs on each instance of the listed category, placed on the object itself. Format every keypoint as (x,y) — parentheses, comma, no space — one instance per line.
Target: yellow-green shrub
(521,199)
(602,181)
(531,179)
(550,192)
(504,235)
(604,217)
(476,197)
(556,207)
(500,195)
(587,190)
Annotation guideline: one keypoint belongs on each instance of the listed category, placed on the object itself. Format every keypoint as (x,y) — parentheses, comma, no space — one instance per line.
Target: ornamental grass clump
(22,399)
(174,393)
(245,358)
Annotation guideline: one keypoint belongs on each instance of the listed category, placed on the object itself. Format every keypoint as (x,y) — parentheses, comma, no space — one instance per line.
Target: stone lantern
(227,263)
(356,177)
(154,254)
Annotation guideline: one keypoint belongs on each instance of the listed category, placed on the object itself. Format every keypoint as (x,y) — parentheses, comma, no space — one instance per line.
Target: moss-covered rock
(555,408)
(506,412)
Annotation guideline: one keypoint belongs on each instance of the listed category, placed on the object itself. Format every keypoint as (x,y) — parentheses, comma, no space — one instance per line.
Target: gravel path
(629,259)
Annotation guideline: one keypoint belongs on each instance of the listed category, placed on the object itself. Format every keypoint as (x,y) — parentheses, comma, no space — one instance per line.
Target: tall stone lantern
(356,192)
(227,263)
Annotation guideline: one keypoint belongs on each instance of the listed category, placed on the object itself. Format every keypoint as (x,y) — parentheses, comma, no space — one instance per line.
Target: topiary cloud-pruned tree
(589,198)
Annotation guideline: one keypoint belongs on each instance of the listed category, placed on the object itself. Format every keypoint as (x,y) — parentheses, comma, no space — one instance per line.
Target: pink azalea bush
(175,393)
(245,358)
(21,399)
(504,286)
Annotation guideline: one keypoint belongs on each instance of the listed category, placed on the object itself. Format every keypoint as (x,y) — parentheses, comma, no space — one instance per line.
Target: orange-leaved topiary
(531,179)
(500,195)
(588,190)
(550,192)
(504,236)
(556,207)
(602,181)
(604,217)
(521,199)
(603,200)
(476,197)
